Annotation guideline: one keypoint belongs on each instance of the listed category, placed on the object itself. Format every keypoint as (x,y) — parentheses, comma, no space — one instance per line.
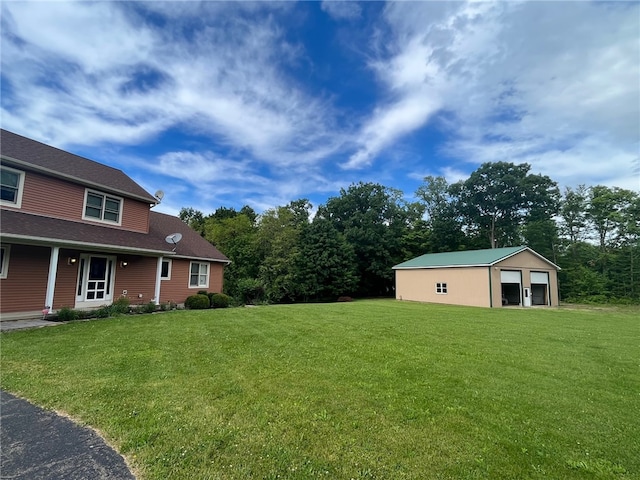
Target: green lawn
(370,389)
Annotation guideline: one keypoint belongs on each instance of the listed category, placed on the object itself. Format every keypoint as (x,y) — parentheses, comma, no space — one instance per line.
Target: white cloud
(342,9)
(415,75)
(211,180)
(549,84)
(95,36)
(126,79)
(555,85)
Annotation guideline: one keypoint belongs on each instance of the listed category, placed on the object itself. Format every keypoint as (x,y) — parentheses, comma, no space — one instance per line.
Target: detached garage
(509,277)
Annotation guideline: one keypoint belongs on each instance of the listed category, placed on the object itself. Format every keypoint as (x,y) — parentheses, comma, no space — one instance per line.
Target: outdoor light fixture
(124,264)
(71,260)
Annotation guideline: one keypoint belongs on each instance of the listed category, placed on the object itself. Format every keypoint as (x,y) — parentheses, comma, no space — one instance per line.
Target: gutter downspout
(158,280)
(51,279)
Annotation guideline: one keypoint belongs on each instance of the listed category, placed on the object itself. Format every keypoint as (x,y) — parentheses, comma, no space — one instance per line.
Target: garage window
(441,288)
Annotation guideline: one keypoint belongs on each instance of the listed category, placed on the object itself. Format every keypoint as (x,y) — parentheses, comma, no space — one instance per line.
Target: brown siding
(66,278)
(64,199)
(177,289)
(25,287)
(135,215)
(138,278)
(465,285)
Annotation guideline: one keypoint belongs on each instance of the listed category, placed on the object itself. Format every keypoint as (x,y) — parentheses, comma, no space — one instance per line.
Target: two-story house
(76,233)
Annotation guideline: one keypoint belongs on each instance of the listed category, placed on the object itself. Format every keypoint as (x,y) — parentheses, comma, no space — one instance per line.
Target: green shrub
(149,307)
(197,302)
(121,305)
(103,312)
(83,314)
(219,300)
(137,309)
(66,314)
(251,290)
(203,292)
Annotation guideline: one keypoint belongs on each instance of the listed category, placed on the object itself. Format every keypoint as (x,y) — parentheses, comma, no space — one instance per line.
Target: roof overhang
(102,247)
(59,242)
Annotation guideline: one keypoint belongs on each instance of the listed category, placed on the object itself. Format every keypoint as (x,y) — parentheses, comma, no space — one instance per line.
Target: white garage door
(540,277)
(510,276)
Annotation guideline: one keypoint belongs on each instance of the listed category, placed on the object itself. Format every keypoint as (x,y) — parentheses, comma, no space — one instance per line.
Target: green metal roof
(475,258)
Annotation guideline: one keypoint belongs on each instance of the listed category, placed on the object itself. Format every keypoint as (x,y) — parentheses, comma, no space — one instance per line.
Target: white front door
(95,280)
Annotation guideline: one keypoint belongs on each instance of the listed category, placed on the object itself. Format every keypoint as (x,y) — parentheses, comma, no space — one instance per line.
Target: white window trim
(5,260)
(101,220)
(18,202)
(442,288)
(168,277)
(206,285)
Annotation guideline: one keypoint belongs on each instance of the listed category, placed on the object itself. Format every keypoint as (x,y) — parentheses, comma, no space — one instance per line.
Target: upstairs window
(199,276)
(441,288)
(102,207)
(11,186)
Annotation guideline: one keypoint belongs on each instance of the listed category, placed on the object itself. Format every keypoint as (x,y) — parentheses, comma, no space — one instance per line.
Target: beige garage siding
(465,285)
(533,264)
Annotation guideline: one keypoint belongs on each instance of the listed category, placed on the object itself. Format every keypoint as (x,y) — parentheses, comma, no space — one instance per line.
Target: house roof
(469,258)
(192,244)
(25,152)
(37,229)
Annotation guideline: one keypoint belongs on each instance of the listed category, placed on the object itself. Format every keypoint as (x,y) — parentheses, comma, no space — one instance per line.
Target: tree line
(353,240)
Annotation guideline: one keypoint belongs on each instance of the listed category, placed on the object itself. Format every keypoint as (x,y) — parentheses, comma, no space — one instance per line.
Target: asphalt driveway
(40,444)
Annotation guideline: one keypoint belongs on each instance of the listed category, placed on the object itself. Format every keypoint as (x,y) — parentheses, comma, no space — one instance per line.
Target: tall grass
(369,389)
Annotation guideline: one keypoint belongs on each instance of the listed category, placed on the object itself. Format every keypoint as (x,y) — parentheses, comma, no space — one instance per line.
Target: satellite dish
(174,238)
(159,195)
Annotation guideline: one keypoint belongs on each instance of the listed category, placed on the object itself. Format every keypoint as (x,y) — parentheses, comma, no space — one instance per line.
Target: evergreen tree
(327,262)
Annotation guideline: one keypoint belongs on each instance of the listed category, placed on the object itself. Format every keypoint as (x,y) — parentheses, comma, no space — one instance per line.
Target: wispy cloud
(128,78)
(342,9)
(516,82)
(415,71)
(394,90)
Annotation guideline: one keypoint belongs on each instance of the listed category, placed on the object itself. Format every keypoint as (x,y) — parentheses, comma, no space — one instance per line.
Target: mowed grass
(370,389)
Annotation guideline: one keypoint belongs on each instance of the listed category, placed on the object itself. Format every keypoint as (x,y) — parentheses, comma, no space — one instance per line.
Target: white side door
(95,280)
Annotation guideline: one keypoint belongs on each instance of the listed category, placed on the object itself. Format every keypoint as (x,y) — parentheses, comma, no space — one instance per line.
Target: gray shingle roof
(475,258)
(192,244)
(37,229)
(29,153)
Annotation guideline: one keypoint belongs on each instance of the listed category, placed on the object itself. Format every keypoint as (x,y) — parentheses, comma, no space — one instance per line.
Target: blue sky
(227,104)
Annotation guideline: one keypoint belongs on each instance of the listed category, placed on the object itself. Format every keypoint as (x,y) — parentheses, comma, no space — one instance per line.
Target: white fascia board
(444,266)
(202,259)
(530,251)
